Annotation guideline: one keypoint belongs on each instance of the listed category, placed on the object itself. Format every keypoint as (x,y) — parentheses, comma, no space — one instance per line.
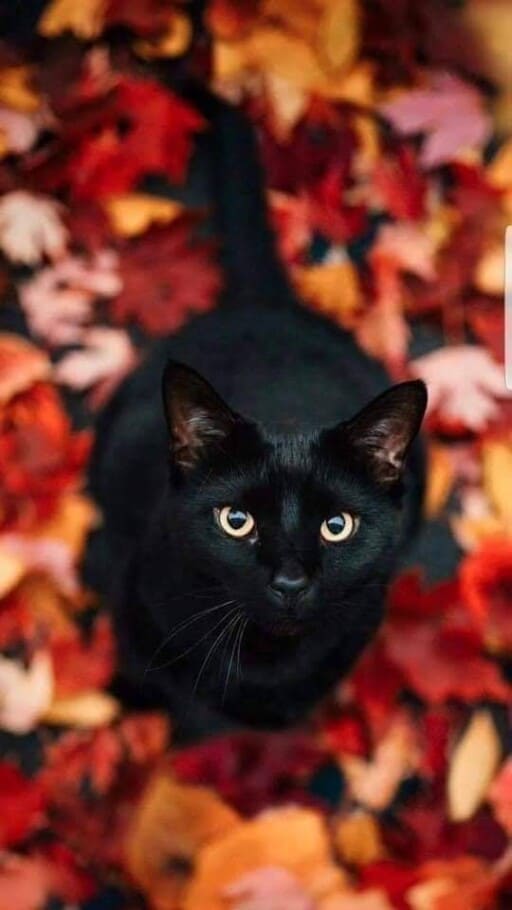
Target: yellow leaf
(288,102)
(489,274)
(338,38)
(169,827)
(174,42)
(293,838)
(357,839)
(49,608)
(499,171)
(83,18)
(473,765)
(440,478)
(333,288)
(132,213)
(16,90)
(88,709)
(491,23)
(497,477)
(12,570)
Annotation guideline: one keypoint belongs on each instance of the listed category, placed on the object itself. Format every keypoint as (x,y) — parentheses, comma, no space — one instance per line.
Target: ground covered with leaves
(383,127)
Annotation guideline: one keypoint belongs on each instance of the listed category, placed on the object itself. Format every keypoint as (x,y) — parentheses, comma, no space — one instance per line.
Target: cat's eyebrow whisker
(211,651)
(181,628)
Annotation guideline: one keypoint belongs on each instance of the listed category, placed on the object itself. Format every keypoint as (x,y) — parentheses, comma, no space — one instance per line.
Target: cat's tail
(254,272)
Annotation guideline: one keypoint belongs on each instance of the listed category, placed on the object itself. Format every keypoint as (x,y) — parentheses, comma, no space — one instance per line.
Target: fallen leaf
(22,129)
(374,783)
(358,839)
(21,366)
(169,827)
(500,796)
(332,288)
(133,213)
(174,41)
(59,301)
(268,888)
(473,764)
(22,806)
(31,228)
(106,357)
(25,694)
(87,709)
(185,278)
(16,90)
(440,479)
(291,838)
(85,19)
(449,111)
(464,385)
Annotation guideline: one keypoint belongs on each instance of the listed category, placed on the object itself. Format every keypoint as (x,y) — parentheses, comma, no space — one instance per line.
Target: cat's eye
(235,522)
(339,528)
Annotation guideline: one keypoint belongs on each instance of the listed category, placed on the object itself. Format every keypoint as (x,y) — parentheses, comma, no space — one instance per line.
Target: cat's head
(291,526)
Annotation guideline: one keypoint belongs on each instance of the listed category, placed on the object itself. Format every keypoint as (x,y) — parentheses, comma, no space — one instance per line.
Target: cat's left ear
(197,418)
(383,431)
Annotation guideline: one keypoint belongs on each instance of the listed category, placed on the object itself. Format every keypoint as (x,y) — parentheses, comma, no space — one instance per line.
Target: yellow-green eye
(235,522)
(339,527)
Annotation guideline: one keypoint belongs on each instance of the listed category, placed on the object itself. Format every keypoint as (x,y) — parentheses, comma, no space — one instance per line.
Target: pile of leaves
(383,127)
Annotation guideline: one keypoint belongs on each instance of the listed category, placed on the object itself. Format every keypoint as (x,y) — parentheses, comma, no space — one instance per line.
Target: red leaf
(81,664)
(144,17)
(185,279)
(22,805)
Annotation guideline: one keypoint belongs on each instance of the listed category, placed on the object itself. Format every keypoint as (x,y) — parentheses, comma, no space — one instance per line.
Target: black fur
(276,439)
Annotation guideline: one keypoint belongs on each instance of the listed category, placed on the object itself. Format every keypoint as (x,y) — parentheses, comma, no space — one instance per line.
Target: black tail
(230,165)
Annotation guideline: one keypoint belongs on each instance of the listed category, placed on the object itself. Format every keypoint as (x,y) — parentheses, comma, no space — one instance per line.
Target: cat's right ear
(197,418)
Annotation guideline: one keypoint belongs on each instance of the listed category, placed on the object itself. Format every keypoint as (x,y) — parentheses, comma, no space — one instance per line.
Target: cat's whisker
(181,628)
(211,651)
(237,627)
(206,635)
(238,660)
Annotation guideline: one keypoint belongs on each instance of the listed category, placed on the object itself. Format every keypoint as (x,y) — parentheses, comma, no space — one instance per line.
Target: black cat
(253,522)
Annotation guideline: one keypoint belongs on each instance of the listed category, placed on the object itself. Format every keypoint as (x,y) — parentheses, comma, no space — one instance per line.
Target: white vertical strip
(508,307)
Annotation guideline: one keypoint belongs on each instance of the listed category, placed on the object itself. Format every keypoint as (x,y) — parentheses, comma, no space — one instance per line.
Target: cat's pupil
(336,524)
(237,519)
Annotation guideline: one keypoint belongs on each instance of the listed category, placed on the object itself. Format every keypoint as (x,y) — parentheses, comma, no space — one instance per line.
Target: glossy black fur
(290,462)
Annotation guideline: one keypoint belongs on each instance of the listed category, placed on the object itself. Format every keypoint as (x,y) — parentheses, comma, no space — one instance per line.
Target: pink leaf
(464,383)
(106,358)
(30,228)
(450,112)
(268,888)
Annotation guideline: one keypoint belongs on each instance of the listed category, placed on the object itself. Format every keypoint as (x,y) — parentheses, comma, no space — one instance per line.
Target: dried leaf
(358,840)
(332,288)
(16,90)
(106,358)
(31,228)
(21,365)
(473,765)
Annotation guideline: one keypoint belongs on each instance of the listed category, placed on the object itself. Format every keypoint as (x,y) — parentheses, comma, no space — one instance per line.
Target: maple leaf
(22,129)
(80,663)
(464,385)
(157,138)
(21,366)
(30,228)
(185,278)
(84,20)
(106,357)
(30,882)
(59,301)
(451,113)
(500,795)
(22,805)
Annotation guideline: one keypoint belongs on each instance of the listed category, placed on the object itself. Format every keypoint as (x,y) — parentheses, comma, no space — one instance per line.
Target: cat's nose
(289,582)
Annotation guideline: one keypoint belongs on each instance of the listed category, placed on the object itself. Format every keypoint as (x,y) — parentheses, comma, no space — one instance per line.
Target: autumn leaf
(332,288)
(22,364)
(59,300)
(169,827)
(85,19)
(31,228)
(358,839)
(105,359)
(464,385)
(22,806)
(185,278)
(131,214)
(449,111)
(25,693)
(16,89)
(473,765)
(268,888)
(500,795)
(88,709)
